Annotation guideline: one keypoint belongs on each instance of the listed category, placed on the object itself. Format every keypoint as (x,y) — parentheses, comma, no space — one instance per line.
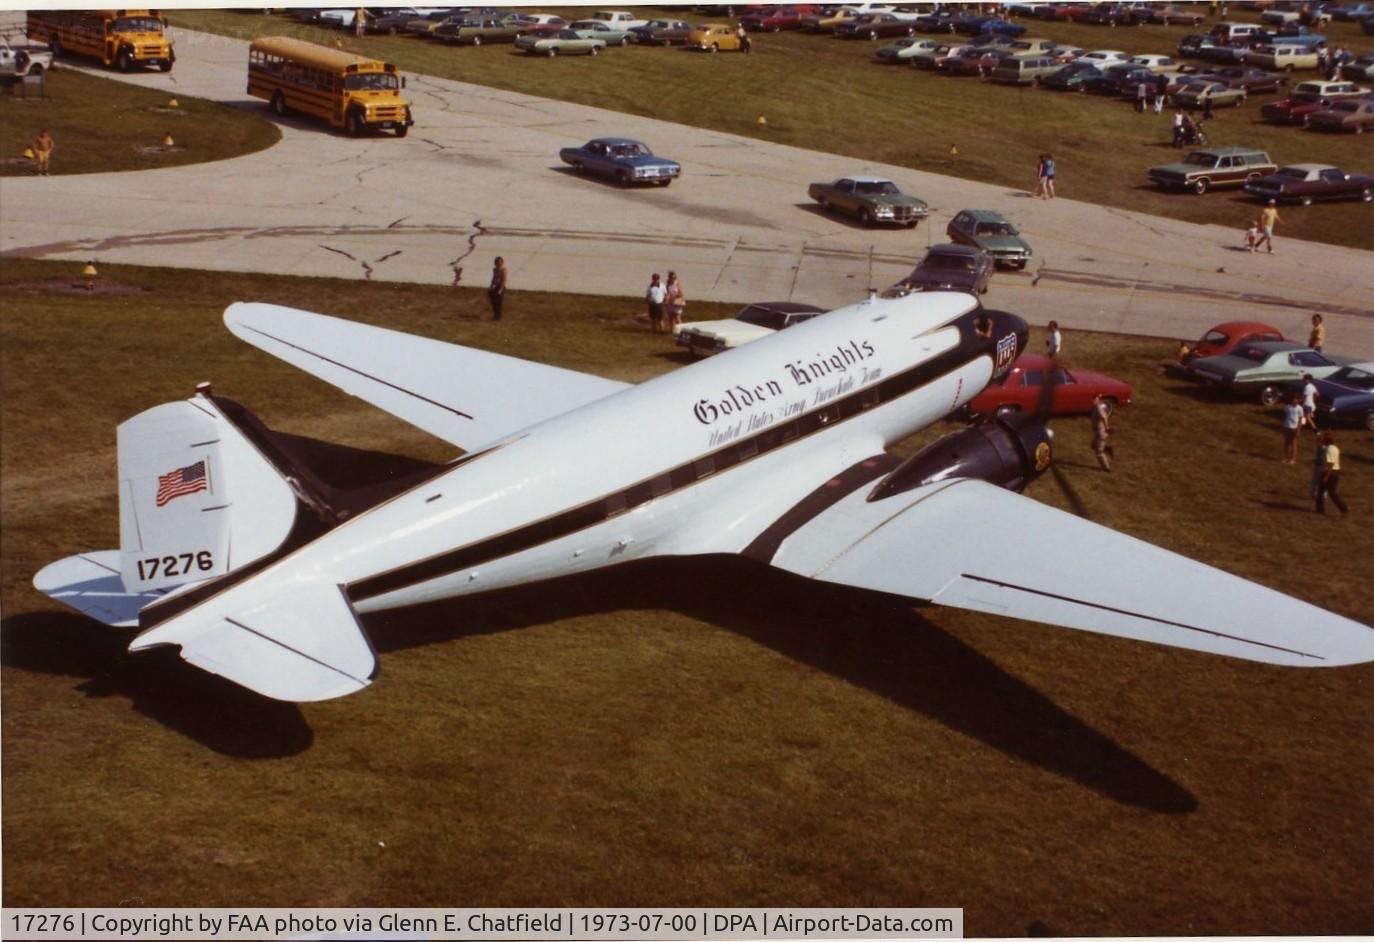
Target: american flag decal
(182,481)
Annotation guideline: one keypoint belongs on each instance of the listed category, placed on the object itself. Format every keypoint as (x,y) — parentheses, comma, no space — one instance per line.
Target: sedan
(1307,183)
(1347,395)
(904,49)
(662,32)
(1348,115)
(1173,14)
(1224,338)
(869,199)
(1252,80)
(1023,387)
(622,160)
(1262,369)
(762,319)
(992,233)
(873,25)
(565,42)
(956,267)
(598,29)
(1076,76)
(1197,95)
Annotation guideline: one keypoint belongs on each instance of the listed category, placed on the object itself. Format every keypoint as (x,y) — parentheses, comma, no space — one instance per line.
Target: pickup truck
(17,62)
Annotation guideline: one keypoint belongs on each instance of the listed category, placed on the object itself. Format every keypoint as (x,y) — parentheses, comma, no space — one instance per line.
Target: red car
(776,19)
(1223,337)
(1074,390)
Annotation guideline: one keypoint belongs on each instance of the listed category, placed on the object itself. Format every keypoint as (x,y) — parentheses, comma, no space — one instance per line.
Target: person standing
(1317,337)
(1054,341)
(1207,105)
(1178,127)
(1309,402)
(745,45)
(360,22)
(1268,217)
(496,293)
(1040,178)
(677,301)
(1292,422)
(655,296)
(1329,457)
(1049,176)
(42,152)
(1161,86)
(1142,92)
(1102,429)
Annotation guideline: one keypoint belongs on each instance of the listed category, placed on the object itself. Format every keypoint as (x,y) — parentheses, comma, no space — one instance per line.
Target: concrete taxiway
(479,177)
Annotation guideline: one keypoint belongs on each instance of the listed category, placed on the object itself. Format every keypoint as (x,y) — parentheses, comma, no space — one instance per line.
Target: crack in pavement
(457,264)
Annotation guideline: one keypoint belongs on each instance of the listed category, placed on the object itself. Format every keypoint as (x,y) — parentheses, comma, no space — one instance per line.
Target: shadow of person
(218,714)
(875,642)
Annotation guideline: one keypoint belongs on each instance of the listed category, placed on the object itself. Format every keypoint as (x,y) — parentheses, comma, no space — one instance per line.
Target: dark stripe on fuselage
(971,346)
(1121,611)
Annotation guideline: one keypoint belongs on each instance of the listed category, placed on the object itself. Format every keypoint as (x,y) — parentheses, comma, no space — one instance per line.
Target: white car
(1156,64)
(1102,58)
(620,19)
(704,338)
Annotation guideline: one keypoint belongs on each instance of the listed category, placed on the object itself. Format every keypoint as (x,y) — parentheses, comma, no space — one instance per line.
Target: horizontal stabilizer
(973,545)
(464,396)
(305,644)
(90,583)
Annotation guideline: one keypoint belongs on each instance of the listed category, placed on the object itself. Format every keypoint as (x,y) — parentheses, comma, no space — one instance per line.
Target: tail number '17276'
(179,565)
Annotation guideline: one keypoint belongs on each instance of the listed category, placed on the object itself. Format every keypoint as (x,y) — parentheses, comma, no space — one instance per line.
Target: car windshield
(1200,159)
(995,229)
(948,262)
(876,188)
(138,24)
(1353,376)
(371,80)
(762,317)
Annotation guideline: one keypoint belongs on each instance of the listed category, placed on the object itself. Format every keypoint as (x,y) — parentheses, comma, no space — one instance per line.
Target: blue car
(989,25)
(622,160)
(1345,396)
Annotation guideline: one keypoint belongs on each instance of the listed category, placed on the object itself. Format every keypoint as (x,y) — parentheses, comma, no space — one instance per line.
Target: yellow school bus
(123,38)
(348,91)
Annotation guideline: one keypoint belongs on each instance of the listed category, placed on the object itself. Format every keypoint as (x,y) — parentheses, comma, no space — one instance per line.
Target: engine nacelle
(1009,451)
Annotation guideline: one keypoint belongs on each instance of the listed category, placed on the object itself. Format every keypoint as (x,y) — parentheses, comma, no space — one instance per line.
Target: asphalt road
(479,176)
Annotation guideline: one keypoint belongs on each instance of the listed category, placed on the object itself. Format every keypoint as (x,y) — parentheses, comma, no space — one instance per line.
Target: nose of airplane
(1010,334)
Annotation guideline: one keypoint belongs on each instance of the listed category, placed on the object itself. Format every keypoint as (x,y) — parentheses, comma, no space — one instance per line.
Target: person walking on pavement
(496,293)
(1268,217)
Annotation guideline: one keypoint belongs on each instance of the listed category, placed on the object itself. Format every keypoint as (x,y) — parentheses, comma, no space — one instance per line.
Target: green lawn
(100,125)
(829,94)
(696,732)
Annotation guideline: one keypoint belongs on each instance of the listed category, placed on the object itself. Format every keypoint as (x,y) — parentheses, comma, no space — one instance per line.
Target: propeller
(1044,407)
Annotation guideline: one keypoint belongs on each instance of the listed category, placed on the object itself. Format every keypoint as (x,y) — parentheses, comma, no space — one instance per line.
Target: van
(1282,58)
(1025,70)
(1226,33)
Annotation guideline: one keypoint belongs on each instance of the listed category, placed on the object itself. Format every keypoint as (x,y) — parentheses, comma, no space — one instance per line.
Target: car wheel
(1020,266)
(391,31)
(354,124)
(1306,201)
(911,31)
(1200,186)
(1359,129)
(1369,421)
(36,70)
(873,34)
(165,65)
(551,52)
(579,167)
(477,40)
(1108,404)
(1367,194)
(624,40)
(278,105)
(865,216)
(594,51)
(124,62)
(715,47)
(1269,396)
(622,177)
(824,203)
(402,130)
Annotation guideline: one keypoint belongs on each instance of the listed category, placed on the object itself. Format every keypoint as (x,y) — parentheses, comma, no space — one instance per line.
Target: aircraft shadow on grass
(878,643)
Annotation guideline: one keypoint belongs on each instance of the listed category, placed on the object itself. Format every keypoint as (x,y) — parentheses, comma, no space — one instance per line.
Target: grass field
(699,732)
(830,95)
(102,126)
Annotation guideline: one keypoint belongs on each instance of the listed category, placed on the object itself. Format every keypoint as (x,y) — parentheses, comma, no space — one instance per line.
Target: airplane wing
(467,397)
(970,544)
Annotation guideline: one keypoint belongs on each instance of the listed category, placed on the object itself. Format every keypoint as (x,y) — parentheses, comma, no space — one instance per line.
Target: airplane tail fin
(198,498)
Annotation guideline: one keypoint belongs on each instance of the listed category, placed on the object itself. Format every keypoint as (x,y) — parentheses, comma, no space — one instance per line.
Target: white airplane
(775,451)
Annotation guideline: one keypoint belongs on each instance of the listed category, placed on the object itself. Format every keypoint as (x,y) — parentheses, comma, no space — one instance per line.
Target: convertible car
(622,160)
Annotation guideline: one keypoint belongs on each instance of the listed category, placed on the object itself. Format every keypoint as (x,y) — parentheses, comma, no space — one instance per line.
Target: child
(1252,235)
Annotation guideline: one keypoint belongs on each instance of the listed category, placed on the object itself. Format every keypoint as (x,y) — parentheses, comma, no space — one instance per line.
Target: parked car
(1021,389)
(1211,167)
(1223,338)
(1062,11)
(874,25)
(988,25)
(565,42)
(713,37)
(1347,395)
(1282,58)
(1024,70)
(622,160)
(1115,79)
(620,19)
(1155,63)
(1307,183)
(974,61)
(1199,94)
(934,58)
(475,32)
(1113,14)
(905,49)
(1171,14)
(705,338)
(1309,97)
(871,200)
(1261,369)
(1072,77)
(608,33)
(1195,45)
(991,232)
(776,19)
(953,267)
(662,32)
(1360,70)
(1351,114)
(1350,11)
(18,62)
(1104,58)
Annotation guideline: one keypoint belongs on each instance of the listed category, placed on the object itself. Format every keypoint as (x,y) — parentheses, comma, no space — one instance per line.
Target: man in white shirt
(655,296)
